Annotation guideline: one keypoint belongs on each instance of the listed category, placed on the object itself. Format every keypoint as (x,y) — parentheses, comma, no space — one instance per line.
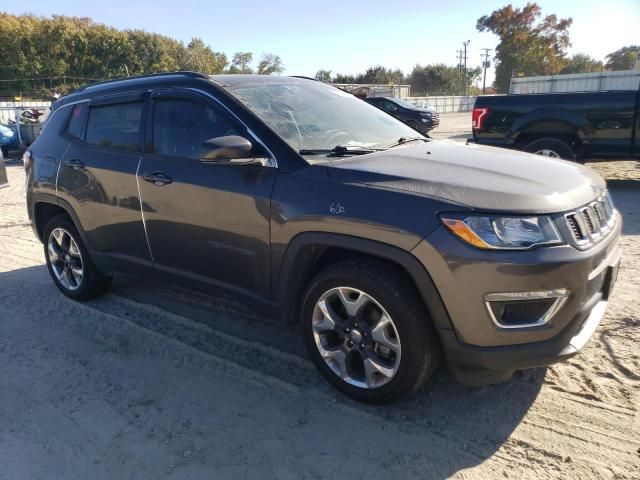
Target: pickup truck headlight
(503,232)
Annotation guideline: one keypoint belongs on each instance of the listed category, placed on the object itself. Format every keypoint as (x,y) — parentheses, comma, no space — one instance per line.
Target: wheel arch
(310,252)
(549,122)
(47,207)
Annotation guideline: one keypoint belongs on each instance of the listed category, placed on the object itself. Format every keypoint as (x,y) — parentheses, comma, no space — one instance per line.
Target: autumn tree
(528,44)
(582,63)
(623,59)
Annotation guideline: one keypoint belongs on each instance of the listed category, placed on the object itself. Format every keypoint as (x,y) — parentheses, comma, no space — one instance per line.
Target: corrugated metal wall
(577,82)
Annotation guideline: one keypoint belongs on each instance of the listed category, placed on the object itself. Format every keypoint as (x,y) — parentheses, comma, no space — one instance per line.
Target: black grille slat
(586,214)
(591,223)
(575,227)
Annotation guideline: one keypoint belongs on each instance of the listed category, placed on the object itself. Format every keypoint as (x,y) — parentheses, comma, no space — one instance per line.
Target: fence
(446,103)
(8,109)
(577,82)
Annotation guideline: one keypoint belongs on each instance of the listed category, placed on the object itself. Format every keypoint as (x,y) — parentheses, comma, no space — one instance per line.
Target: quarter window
(180,127)
(75,122)
(115,126)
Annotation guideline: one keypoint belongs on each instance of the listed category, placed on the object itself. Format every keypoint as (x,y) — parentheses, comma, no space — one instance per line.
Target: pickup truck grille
(591,223)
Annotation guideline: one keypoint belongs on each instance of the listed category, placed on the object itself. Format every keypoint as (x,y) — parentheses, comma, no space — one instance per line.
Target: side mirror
(225,149)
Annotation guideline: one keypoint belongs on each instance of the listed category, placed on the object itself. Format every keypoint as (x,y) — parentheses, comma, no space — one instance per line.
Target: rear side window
(180,127)
(76,120)
(115,126)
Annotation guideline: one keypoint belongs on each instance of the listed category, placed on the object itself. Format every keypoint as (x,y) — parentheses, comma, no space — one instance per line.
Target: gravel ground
(153,382)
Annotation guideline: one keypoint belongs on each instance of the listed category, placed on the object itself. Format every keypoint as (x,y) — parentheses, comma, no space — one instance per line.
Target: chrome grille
(591,223)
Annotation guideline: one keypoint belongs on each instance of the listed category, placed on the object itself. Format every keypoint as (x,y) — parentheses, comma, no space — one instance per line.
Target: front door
(208,222)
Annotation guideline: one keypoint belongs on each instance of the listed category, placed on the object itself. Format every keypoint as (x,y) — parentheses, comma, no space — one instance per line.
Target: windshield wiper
(340,151)
(403,140)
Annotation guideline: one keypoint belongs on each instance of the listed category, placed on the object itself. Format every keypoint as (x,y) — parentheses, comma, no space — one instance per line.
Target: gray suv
(390,250)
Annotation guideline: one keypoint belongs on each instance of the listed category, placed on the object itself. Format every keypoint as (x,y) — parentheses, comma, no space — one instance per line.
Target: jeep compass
(390,250)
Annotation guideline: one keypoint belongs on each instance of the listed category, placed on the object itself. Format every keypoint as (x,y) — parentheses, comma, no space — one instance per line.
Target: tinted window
(75,122)
(180,127)
(115,126)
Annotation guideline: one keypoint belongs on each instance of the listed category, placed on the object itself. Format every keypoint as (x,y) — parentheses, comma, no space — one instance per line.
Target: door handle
(157,178)
(75,164)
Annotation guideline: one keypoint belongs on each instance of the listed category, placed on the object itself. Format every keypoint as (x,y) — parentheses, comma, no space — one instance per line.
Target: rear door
(209,223)
(97,177)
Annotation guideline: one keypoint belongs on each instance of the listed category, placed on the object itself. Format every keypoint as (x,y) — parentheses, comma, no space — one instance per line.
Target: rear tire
(382,360)
(69,263)
(551,147)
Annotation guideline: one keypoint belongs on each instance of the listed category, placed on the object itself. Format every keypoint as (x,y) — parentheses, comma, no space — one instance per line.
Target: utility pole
(464,76)
(459,52)
(485,64)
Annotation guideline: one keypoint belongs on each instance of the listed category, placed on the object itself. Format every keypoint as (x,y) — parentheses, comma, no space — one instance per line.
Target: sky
(347,37)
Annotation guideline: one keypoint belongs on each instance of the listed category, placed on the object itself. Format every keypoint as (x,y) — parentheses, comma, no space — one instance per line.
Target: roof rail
(149,75)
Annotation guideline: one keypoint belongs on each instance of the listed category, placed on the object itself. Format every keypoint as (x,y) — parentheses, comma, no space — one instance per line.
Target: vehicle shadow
(626,197)
(442,430)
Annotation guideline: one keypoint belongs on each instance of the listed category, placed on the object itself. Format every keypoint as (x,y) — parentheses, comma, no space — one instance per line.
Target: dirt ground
(153,381)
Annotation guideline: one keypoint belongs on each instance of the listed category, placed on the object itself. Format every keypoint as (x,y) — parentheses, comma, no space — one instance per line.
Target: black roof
(169,79)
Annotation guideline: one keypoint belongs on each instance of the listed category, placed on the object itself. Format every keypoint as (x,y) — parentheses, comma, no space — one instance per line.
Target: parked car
(8,139)
(574,126)
(4,182)
(388,248)
(421,119)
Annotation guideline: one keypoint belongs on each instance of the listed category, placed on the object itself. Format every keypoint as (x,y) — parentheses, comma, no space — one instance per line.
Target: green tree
(623,59)
(201,58)
(241,63)
(582,63)
(269,64)
(342,78)
(441,79)
(381,76)
(323,76)
(528,44)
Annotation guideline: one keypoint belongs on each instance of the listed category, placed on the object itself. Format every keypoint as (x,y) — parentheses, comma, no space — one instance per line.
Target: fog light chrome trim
(561,295)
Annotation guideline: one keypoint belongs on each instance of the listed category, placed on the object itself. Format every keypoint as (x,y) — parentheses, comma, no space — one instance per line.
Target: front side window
(312,115)
(180,127)
(115,126)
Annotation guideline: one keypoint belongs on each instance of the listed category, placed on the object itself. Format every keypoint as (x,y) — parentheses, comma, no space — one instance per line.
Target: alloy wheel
(65,259)
(356,337)
(545,152)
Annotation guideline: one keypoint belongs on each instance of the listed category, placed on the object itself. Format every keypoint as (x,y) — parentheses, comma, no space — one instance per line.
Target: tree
(582,63)
(269,64)
(380,75)
(241,63)
(527,45)
(623,59)
(201,58)
(441,79)
(342,78)
(323,76)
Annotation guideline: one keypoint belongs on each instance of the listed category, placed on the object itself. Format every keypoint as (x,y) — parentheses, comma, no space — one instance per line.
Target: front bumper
(480,352)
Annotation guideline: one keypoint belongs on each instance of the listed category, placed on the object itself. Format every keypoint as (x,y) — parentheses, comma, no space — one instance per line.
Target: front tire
(69,263)
(551,147)
(367,331)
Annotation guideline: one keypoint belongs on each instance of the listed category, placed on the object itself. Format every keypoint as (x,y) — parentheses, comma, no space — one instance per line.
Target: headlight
(425,114)
(501,232)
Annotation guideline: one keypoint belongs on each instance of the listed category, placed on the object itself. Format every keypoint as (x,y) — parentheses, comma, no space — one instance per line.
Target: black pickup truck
(574,126)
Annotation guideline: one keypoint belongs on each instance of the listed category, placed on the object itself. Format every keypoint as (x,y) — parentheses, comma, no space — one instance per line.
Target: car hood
(480,177)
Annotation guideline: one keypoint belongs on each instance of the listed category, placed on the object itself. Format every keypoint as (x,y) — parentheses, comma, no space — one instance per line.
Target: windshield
(315,116)
(404,103)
